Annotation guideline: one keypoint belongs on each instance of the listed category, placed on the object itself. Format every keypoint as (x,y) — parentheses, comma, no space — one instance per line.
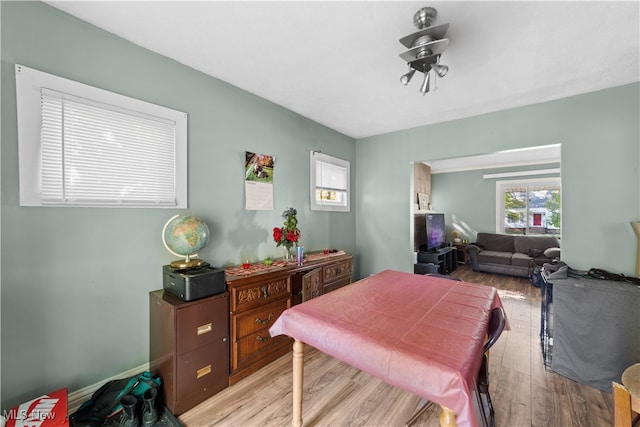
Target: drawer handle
(264,321)
(259,338)
(204,329)
(203,371)
(264,292)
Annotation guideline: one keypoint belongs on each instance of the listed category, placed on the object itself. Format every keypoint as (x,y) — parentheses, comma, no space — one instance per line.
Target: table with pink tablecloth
(422,334)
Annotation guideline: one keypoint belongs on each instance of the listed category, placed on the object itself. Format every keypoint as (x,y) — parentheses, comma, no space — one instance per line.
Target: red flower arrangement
(288,234)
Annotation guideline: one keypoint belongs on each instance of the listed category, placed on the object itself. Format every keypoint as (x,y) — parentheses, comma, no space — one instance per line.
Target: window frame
(317,157)
(30,82)
(500,190)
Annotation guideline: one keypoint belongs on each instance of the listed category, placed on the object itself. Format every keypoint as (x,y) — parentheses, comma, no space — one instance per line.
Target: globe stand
(183,264)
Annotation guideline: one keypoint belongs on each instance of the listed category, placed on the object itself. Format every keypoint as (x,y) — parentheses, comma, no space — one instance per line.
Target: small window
(330,183)
(84,146)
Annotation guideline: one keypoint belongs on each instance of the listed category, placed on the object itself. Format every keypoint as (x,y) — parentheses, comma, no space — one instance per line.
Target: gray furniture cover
(596,330)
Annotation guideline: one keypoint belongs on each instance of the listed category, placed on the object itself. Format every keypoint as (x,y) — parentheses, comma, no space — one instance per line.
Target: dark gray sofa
(515,255)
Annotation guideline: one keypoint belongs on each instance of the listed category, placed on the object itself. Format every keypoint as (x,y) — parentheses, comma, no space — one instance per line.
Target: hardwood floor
(335,394)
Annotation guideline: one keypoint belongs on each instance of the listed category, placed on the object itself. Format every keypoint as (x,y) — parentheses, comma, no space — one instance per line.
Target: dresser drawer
(202,373)
(202,323)
(259,293)
(257,319)
(336,284)
(254,347)
(337,270)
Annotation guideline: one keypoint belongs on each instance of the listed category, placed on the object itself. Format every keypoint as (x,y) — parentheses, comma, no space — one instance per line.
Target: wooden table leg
(447,417)
(298,370)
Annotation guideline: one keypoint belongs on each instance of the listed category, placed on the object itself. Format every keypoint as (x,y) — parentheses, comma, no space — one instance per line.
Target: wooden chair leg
(621,406)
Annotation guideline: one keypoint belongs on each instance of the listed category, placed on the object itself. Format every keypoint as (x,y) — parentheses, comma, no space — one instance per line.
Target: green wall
(469,201)
(75,281)
(600,138)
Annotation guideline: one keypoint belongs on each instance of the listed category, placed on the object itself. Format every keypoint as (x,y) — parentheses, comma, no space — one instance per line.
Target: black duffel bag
(105,402)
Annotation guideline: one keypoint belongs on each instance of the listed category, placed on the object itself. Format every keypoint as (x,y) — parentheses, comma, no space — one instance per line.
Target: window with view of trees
(528,206)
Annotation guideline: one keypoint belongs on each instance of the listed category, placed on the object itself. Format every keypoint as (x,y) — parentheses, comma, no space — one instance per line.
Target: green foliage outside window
(513,207)
(553,205)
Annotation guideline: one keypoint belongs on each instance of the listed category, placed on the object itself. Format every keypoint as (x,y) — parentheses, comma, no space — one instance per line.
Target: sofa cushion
(495,242)
(524,244)
(521,260)
(494,257)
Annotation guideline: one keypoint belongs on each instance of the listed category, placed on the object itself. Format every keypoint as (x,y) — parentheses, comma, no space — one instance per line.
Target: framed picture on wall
(423,201)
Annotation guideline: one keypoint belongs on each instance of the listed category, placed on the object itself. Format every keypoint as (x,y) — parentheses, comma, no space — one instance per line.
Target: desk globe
(184,236)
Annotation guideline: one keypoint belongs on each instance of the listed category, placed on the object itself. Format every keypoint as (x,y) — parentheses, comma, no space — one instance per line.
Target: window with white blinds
(330,182)
(97,148)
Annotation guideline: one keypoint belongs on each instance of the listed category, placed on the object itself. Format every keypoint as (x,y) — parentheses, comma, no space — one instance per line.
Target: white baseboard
(78,397)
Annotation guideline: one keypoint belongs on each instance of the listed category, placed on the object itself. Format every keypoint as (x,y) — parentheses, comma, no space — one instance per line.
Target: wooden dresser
(257,298)
(189,347)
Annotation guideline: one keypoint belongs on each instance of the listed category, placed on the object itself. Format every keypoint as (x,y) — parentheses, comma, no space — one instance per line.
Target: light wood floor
(335,394)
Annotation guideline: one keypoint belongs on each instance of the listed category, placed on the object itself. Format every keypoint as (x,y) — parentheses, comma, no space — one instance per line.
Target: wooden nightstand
(462,254)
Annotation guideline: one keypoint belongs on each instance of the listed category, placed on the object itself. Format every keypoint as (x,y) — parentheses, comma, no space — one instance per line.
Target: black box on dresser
(194,283)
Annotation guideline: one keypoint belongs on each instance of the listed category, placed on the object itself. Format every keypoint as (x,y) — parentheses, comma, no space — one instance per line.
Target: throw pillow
(552,253)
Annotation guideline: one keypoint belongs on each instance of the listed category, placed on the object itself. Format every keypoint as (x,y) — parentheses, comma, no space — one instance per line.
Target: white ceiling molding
(554,171)
(544,154)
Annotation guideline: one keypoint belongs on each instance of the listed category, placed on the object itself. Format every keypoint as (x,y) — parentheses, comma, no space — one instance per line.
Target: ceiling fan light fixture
(425,47)
(425,84)
(406,78)
(441,70)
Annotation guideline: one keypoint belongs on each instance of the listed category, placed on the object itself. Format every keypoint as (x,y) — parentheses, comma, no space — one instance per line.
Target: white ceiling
(337,63)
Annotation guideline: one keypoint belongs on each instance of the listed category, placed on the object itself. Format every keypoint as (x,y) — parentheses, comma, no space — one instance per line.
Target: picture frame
(423,201)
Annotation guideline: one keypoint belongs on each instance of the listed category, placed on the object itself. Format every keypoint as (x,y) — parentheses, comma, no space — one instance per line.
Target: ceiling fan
(425,47)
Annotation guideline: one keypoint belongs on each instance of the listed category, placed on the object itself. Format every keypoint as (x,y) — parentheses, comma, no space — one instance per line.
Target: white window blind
(330,181)
(331,177)
(97,153)
(84,146)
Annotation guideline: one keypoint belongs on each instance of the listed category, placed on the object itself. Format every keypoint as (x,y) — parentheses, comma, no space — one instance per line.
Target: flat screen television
(436,232)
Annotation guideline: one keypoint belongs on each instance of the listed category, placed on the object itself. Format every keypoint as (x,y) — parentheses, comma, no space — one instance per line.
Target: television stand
(440,261)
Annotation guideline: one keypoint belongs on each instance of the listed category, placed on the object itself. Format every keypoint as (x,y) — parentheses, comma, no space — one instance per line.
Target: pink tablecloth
(419,333)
